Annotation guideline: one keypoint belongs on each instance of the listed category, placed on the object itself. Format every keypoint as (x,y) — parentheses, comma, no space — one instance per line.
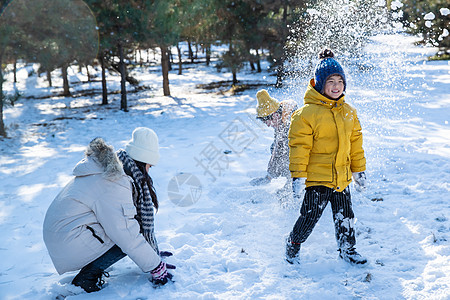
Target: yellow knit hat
(266,104)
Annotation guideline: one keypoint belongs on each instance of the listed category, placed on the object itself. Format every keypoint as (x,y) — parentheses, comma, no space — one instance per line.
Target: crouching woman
(91,223)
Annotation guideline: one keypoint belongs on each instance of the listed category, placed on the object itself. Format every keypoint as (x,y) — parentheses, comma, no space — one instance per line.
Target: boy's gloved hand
(298,187)
(360,181)
(260,181)
(160,276)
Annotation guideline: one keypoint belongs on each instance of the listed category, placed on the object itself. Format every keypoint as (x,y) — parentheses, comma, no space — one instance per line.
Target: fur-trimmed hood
(100,159)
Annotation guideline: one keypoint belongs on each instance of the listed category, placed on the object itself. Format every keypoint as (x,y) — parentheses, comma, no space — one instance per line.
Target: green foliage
(440,57)
(66,32)
(197,19)
(119,21)
(233,58)
(164,21)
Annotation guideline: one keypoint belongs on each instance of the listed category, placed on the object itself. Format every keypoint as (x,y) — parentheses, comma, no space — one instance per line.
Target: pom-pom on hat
(144,146)
(266,104)
(325,68)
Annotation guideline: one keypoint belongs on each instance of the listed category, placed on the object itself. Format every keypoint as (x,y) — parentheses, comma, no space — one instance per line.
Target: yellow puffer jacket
(325,142)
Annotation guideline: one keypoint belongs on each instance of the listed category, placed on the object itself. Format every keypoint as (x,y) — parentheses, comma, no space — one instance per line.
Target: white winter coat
(95,200)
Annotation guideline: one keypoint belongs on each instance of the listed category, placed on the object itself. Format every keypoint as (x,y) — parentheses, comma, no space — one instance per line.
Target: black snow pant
(315,200)
(113,255)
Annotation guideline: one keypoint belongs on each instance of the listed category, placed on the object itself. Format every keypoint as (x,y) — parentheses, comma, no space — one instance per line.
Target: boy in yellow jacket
(325,151)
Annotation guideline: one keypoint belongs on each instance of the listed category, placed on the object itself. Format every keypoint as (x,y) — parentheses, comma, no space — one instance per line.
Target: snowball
(444,33)
(429,16)
(444,11)
(397,15)
(396,4)
(428,24)
(381,3)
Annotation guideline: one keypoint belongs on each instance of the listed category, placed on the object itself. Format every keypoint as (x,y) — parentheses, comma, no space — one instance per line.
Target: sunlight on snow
(414,228)
(5,211)
(27,193)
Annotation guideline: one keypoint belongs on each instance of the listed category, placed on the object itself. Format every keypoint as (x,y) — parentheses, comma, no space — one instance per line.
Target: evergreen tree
(54,33)
(231,30)
(5,33)
(121,26)
(164,30)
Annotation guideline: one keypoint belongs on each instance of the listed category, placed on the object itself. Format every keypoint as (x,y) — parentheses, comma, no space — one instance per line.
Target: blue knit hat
(325,68)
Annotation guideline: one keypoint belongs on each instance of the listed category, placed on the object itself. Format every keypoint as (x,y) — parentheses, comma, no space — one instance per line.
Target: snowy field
(226,235)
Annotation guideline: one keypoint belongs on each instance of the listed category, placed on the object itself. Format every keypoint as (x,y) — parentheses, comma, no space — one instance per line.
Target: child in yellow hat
(277,115)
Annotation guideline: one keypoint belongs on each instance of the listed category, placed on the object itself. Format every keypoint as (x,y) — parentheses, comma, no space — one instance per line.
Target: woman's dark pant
(314,203)
(99,265)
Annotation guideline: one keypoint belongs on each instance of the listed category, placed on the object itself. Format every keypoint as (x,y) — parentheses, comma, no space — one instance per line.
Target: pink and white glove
(360,181)
(160,276)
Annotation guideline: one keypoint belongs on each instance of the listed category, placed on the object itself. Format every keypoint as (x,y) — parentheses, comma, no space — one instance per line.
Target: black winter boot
(292,252)
(351,256)
(90,281)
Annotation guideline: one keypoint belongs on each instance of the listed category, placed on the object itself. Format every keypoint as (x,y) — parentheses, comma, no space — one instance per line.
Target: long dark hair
(142,167)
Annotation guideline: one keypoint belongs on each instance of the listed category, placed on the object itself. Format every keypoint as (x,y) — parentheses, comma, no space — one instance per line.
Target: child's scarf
(141,198)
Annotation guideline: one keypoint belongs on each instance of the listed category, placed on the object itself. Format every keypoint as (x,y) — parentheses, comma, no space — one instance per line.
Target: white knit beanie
(144,146)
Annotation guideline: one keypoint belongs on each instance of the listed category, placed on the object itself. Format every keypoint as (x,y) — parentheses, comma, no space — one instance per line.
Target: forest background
(118,35)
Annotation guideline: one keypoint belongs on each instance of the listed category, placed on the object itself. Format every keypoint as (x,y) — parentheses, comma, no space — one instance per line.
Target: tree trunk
(258,62)
(104,86)
(280,61)
(88,74)
(280,76)
(123,90)
(208,54)
(170,58)
(180,62)
(49,78)
(252,65)
(2,125)
(15,71)
(191,54)
(66,90)
(232,62)
(165,69)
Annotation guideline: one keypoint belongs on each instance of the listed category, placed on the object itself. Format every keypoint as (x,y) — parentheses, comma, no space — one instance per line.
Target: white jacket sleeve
(115,211)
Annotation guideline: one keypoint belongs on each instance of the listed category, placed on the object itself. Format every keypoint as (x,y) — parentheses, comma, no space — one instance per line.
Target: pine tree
(54,33)
(163,29)
(121,27)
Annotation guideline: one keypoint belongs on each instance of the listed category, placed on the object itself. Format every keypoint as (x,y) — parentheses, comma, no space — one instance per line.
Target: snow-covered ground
(226,235)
